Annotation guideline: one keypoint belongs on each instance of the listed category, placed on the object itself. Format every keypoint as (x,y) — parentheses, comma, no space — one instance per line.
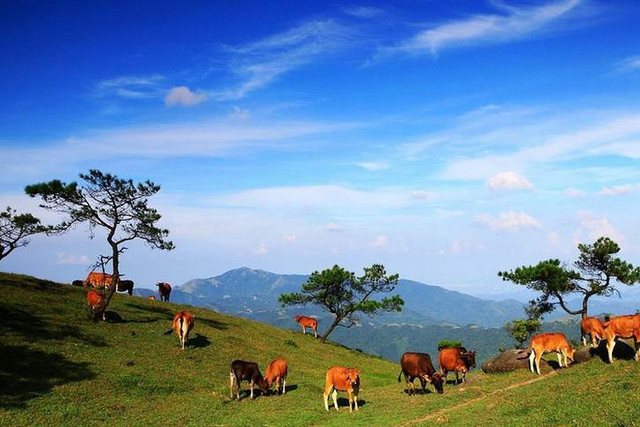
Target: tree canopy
(341,293)
(118,206)
(597,271)
(15,230)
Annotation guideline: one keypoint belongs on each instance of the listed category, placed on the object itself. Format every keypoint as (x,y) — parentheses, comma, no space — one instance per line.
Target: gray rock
(511,360)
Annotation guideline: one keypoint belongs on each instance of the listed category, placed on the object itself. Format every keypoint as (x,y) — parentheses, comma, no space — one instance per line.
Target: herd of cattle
(413,365)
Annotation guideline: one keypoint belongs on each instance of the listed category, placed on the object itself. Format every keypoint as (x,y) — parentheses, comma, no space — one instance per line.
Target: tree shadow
(199,341)
(212,323)
(169,313)
(34,328)
(28,373)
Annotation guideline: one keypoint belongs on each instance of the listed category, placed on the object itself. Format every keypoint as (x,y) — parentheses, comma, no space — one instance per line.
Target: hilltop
(58,368)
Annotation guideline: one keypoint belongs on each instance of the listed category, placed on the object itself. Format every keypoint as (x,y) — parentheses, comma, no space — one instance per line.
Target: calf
(245,371)
(183,324)
(307,322)
(418,365)
(164,290)
(277,373)
(342,379)
(98,280)
(593,327)
(546,343)
(456,359)
(96,303)
(151,298)
(622,327)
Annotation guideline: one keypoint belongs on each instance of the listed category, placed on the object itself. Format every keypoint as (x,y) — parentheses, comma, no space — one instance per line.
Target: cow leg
(335,398)
(538,357)
(315,332)
(350,397)
(325,396)
(610,344)
(409,384)
(423,383)
(231,381)
(559,357)
(355,401)
(584,340)
(252,383)
(457,378)
(304,330)
(284,385)
(532,356)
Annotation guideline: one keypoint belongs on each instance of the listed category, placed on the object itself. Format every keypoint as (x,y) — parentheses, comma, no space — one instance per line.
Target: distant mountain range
(430,314)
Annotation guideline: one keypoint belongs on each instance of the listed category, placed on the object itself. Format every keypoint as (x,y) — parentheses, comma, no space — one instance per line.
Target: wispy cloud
(629,64)
(263,62)
(514,23)
(132,87)
(364,12)
(374,166)
(618,190)
(184,97)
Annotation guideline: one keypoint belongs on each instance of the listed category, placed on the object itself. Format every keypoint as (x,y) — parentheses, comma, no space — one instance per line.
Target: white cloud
(509,221)
(240,114)
(183,96)
(373,166)
(595,227)
(263,62)
(508,181)
(629,64)
(364,12)
(618,190)
(574,192)
(380,242)
(333,227)
(517,23)
(262,249)
(133,87)
(65,258)
(289,238)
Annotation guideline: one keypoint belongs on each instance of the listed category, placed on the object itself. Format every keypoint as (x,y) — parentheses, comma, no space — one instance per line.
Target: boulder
(511,360)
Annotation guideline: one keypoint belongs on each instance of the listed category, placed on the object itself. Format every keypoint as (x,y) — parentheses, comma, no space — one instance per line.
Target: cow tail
(399,376)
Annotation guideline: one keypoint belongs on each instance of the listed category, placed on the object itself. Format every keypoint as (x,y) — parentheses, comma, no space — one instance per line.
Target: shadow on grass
(272,391)
(199,341)
(622,351)
(27,373)
(343,401)
(34,328)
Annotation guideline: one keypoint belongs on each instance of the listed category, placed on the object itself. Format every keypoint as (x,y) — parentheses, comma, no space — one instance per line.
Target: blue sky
(448,140)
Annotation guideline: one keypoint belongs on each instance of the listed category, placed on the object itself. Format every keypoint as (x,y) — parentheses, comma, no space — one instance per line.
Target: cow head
(353,378)
(570,353)
(264,385)
(437,381)
(469,358)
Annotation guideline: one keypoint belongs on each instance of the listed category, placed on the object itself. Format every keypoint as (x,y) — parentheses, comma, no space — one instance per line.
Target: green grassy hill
(58,368)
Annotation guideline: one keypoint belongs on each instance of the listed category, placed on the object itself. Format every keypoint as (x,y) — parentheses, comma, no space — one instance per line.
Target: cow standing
(277,373)
(456,359)
(546,343)
(96,303)
(593,327)
(164,290)
(98,280)
(245,371)
(342,379)
(307,322)
(125,286)
(623,327)
(418,365)
(183,324)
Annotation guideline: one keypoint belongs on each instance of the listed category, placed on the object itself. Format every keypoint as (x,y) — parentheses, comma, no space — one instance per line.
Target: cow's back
(624,326)
(337,377)
(449,358)
(277,368)
(417,363)
(550,341)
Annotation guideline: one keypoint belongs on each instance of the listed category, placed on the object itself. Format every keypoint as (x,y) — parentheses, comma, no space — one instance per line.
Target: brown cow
(593,327)
(342,379)
(456,359)
(151,298)
(623,327)
(277,373)
(546,343)
(164,290)
(418,365)
(307,322)
(98,280)
(96,303)
(245,371)
(183,324)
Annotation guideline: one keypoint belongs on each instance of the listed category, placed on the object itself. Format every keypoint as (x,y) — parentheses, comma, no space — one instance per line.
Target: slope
(58,368)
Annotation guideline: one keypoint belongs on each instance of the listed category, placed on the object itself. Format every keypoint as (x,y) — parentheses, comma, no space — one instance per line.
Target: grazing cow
(182,324)
(593,327)
(77,283)
(546,343)
(342,379)
(277,373)
(418,365)
(456,359)
(98,280)
(125,286)
(96,304)
(245,371)
(164,290)
(307,322)
(151,298)
(622,327)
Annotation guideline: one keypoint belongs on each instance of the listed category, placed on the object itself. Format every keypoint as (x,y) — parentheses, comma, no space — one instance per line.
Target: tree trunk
(331,328)
(115,277)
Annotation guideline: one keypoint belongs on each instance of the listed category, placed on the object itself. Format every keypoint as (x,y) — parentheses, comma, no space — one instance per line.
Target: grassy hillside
(56,367)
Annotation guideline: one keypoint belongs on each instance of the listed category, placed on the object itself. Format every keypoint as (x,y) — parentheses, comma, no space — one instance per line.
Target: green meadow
(57,367)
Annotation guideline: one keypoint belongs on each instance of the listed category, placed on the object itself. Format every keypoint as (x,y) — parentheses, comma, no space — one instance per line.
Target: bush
(448,344)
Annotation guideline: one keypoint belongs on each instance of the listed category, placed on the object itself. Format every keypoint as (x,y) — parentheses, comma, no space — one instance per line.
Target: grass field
(56,367)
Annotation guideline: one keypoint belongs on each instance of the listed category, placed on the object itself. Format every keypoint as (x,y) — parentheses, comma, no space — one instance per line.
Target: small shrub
(291,343)
(448,344)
